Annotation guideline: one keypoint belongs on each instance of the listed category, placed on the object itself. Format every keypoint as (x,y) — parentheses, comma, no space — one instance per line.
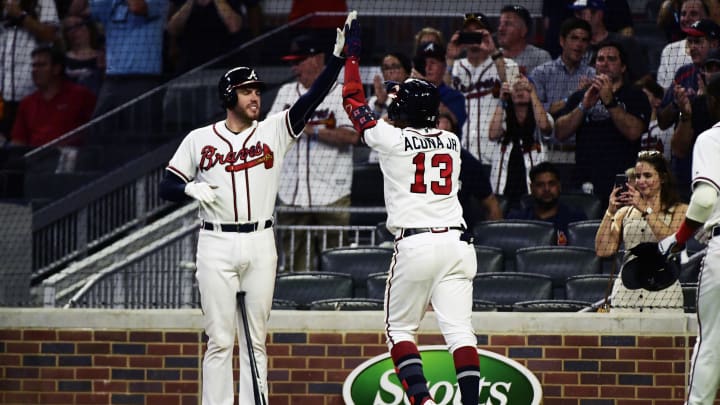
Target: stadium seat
(367,191)
(582,233)
(550,306)
(382,235)
(375,285)
(283,304)
(505,289)
(590,204)
(358,262)
(588,287)
(306,287)
(347,304)
(558,262)
(504,204)
(489,259)
(689,297)
(511,235)
(484,306)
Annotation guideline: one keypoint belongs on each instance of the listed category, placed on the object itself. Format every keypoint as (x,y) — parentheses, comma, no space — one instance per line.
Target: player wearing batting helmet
(232,168)
(421,169)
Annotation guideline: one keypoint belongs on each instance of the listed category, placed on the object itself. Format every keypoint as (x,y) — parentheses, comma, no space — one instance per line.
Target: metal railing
(124,200)
(161,274)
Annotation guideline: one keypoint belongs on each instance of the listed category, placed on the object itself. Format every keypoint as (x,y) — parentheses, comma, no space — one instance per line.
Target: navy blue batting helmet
(647,268)
(234,78)
(415,103)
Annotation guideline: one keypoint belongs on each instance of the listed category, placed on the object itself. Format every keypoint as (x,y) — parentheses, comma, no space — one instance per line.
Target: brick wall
(51,365)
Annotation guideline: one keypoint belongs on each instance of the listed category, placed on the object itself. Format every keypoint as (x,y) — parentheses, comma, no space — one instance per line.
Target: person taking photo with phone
(647,211)
(479,77)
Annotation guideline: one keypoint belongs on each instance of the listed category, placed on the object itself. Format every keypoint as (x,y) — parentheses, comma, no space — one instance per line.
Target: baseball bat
(259,397)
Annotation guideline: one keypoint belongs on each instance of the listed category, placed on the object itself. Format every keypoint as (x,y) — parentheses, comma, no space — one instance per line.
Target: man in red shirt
(56,107)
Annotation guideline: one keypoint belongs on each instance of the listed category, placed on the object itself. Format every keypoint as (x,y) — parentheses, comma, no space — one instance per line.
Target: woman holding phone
(647,211)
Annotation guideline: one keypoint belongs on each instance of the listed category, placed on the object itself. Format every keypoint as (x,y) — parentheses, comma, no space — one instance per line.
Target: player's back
(421,169)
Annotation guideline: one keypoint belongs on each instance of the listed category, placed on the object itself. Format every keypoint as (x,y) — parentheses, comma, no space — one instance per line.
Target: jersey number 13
(443,161)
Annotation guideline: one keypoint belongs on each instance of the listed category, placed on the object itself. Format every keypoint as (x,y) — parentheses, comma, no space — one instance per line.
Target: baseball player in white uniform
(479,76)
(704,209)
(434,259)
(318,169)
(232,168)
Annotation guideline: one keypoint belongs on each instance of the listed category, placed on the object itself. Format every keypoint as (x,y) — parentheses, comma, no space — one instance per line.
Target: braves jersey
(245,167)
(315,173)
(706,168)
(421,169)
(481,86)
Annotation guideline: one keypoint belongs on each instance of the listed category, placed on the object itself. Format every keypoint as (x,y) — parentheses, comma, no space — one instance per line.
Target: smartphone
(470,37)
(621,181)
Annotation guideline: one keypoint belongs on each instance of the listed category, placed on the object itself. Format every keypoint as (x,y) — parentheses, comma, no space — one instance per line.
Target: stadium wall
(85,356)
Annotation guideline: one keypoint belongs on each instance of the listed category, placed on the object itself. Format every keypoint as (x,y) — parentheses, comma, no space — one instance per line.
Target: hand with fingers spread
(203,192)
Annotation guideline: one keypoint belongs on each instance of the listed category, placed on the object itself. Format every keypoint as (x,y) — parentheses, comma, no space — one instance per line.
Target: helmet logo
(252,75)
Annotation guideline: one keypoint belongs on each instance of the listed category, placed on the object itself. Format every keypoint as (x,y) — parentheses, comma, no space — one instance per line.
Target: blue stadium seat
(511,235)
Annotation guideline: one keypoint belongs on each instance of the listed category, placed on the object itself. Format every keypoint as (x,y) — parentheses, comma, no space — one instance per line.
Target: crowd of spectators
(580,95)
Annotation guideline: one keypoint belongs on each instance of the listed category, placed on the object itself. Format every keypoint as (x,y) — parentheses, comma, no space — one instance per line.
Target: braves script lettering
(211,157)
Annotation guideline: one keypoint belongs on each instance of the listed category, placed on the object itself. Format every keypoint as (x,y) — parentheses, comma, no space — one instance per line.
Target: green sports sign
(502,380)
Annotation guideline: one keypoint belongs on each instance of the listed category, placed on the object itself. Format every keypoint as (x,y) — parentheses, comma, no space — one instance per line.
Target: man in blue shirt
(545,190)
(134,42)
(555,80)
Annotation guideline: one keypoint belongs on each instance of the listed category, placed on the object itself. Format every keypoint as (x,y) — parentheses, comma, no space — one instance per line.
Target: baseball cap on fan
(591,4)
(703,28)
(521,12)
(477,18)
(302,47)
(428,50)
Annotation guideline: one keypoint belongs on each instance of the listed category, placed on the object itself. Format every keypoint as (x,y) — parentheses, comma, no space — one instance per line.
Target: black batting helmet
(415,103)
(234,78)
(645,267)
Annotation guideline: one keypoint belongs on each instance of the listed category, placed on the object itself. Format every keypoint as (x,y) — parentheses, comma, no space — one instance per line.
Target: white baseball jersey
(673,56)
(421,168)
(245,167)
(477,84)
(706,166)
(315,173)
(705,369)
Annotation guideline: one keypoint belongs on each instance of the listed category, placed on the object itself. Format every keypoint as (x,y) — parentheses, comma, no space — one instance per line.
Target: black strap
(240,228)
(415,231)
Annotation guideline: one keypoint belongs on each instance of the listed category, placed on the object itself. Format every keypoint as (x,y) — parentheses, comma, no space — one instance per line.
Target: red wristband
(684,233)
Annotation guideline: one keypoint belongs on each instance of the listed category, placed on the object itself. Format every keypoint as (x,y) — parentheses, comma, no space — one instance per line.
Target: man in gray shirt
(513,28)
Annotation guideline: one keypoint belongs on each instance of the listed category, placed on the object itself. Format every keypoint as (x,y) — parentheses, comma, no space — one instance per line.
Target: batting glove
(340,36)
(352,42)
(202,192)
(666,245)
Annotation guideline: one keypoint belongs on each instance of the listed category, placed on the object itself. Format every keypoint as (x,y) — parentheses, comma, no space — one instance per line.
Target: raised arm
(305,106)
(354,100)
